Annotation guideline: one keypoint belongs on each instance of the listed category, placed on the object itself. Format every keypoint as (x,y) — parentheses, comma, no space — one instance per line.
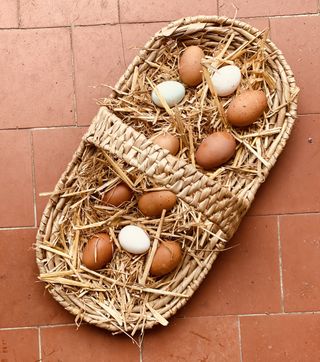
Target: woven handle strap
(108,132)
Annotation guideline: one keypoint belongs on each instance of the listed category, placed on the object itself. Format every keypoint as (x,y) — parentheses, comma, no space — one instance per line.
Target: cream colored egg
(172,91)
(134,239)
(226,80)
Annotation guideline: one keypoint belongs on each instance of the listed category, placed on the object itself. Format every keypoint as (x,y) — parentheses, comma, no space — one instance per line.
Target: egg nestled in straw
(172,91)
(134,239)
(190,68)
(226,80)
(169,142)
(152,203)
(215,150)
(246,108)
(167,257)
(118,195)
(98,251)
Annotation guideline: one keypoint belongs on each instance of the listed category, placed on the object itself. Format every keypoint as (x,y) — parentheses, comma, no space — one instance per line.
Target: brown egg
(152,203)
(98,251)
(118,195)
(246,108)
(169,142)
(167,257)
(215,150)
(190,69)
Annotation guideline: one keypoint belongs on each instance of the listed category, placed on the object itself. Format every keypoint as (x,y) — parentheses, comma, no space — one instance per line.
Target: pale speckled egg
(172,91)
(134,239)
(226,80)
(190,68)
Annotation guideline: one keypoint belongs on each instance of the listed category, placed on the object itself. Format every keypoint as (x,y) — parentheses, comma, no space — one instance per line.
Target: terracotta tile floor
(261,300)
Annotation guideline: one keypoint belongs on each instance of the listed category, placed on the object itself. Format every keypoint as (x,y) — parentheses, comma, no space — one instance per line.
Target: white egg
(171,90)
(134,239)
(226,80)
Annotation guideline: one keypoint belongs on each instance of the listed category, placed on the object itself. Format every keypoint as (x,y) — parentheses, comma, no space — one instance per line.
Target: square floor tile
(16,189)
(36,82)
(291,184)
(145,11)
(41,13)
(99,60)
(53,150)
(300,242)
(260,8)
(24,301)
(19,345)
(194,339)
(298,39)
(9,14)
(135,36)
(281,338)
(245,278)
(89,343)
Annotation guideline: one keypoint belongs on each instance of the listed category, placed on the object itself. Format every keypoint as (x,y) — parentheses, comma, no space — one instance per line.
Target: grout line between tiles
(239,336)
(286,214)
(74,98)
(218,6)
(43,128)
(18,13)
(280,265)
(33,182)
(39,345)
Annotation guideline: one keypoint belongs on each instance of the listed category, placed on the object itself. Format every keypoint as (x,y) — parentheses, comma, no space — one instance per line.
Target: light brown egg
(167,257)
(98,251)
(169,142)
(215,150)
(190,69)
(247,108)
(152,203)
(118,195)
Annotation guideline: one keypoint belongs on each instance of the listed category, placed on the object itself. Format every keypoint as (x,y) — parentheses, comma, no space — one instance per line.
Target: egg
(98,251)
(152,203)
(246,108)
(190,69)
(134,239)
(167,257)
(118,195)
(169,142)
(171,90)
(215,150)
(226,80)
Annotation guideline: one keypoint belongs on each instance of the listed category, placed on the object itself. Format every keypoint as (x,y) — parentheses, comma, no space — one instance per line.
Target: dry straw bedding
(118,147)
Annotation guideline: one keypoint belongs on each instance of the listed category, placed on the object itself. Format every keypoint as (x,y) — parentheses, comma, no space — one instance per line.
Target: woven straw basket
(122,297)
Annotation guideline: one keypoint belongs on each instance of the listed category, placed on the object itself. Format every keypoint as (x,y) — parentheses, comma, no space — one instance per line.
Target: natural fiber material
(118,147)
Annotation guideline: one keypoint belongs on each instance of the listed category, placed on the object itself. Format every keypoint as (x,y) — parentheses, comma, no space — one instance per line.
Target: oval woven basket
(123,297)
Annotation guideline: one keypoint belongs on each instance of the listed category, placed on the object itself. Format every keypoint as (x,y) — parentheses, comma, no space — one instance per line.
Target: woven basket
(117,146)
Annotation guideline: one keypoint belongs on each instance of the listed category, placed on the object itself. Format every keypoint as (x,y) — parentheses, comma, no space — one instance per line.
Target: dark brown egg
(152,203)
(190,69)
(246,108)
(118,195)
(167,257)
(215,150)
(169,142)
(98,251)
